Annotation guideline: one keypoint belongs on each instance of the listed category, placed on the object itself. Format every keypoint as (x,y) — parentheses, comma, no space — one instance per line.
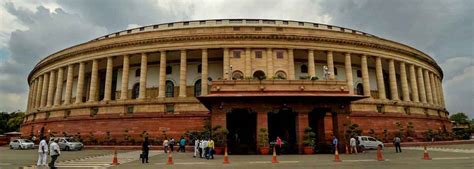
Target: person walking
(211,149)
(335,143)
(204,148)
(200,148)
(54,152)
(278,145)
(165,145)
(42,152)
(145,150)
(396,142)
(171,144)
(196,147)
(182,144)
(353,144)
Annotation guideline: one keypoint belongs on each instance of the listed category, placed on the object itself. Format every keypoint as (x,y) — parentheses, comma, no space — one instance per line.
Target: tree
(11,121)
(460,118)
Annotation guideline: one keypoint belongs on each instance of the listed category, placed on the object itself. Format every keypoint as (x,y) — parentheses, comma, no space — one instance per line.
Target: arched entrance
(169,88)
(360,89)
(282,123)
(197,88)
(260,75)
(316,122)
(242,126)
(135,90)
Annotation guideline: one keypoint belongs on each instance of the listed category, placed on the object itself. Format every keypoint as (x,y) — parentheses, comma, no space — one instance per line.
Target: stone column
(44,90)
(39,87)
(31,95)
(301,123)
(52,77)
(69,79)
(80,83)
(311,66)
(429,94)
(438,92)
(291,65)
(226,65)
(204,73)
(365,75)
(94,80)
(125,72)
(143,72)
(330,62)
(348,67)
(379,75)
(403,77)
(392,77)
(441,92)
(270,70)
(59,87)
(182,74)
(161,88)
(433,89)
(108,79)
(414,86)
(421,85)
(248,62)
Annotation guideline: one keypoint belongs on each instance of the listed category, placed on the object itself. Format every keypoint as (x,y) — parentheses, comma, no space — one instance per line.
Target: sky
(31,30)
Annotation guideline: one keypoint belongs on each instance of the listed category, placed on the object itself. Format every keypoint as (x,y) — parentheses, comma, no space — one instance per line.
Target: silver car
(22,144)
(69,143)
(368,142)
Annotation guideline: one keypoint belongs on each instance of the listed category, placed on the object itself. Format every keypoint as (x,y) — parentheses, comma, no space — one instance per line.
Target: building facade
(242,74)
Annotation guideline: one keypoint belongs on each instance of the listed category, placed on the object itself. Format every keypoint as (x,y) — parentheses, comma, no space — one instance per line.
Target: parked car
(367,142)
(68,143)
(21,144)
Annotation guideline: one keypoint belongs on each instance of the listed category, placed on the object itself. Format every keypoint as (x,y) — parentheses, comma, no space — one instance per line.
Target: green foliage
(263,137)
(309,137)
(460,118)
(220,135)
(401,130)
(410,129)
(11,121)
(464,134)
(352,130)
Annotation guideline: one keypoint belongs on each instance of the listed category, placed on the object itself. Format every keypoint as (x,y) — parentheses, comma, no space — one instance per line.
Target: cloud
(458,85)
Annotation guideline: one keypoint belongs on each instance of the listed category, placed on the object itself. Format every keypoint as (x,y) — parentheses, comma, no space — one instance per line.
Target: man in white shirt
(204,145)
(196,147)
(54,152)
(43,152)
(353,144)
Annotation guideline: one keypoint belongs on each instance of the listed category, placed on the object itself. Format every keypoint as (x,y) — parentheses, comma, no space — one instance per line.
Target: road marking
(289,161)
(451,158)
(268,162)
(5,164)
(184,163)
(366,160)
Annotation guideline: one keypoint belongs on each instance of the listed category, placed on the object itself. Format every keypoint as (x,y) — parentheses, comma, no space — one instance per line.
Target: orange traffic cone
(336,156)
(426,156)
(115,160)
(379,154)
(170,159)
(347,149)
(226,158)
(274,158)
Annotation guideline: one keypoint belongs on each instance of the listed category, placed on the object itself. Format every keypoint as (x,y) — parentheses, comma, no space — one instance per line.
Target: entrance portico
(284,109)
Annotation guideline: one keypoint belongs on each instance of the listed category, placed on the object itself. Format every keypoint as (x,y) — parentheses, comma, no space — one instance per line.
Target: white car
(21,144)
(68,143)
(367,142)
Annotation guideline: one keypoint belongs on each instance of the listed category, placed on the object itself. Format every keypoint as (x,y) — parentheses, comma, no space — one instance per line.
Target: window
(316,25)
(169,70)
(372,139)
(129,109)
(67,113)
(135,90)
(237,75)
(285,22)
(359,73)
(202,22)
(364,138)
(335,70)
(129,31)
(155,26)
(169,89)
(49,114)
(199,68)
(407,110)
(185,23)
(137,73)
(304,69)
(236,54)
(360,89)
(170,25)
(142,29)
(258,54)
(169,108)
(301,23)
(379,108)
(279,54)
(329,27)
(259,75)
(280,75)
(197,88)
(94,111)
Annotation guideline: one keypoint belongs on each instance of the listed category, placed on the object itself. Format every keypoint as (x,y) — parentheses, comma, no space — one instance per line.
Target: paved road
(411,158)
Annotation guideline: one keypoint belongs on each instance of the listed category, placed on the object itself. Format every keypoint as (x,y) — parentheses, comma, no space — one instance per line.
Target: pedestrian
(278,145)
(165,145)
(335,143)
(145,150)
(196,147)
(171,144)
(54,152)
(396,142)
(353,144)
(182,144)
(200,148)
(361,148)
(204,147)
(211,149)
(42,152)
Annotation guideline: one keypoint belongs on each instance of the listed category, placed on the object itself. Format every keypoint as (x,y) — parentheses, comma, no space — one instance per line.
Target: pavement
(448,156)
